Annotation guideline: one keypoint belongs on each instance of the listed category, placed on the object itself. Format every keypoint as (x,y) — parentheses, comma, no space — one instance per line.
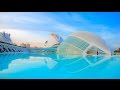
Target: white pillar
(84,52)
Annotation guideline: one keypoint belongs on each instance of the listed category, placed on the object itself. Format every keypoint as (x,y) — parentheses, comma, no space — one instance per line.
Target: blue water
(53,66)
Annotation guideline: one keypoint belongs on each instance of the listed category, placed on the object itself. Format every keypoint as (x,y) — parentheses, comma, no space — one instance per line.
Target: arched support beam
(85,51)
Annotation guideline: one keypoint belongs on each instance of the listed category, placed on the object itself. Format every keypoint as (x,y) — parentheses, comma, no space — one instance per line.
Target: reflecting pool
(54,66)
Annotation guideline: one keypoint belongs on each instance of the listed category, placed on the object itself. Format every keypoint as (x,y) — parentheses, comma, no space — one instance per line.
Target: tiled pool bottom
(53,66)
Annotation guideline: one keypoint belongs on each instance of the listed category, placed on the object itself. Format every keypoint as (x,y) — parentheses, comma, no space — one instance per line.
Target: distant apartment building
(25,45)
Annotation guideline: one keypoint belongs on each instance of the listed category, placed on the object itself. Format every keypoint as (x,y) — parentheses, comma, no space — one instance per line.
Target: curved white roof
(92,39)
(53,39)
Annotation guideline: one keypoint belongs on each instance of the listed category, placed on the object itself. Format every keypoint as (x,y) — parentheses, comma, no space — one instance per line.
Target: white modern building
(53,41)
(6,44)
(5,37)
(83,43)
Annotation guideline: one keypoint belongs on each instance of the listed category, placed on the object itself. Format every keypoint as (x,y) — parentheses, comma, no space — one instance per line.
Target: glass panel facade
(77,42)
(94,51)
(66,48)
(72,45)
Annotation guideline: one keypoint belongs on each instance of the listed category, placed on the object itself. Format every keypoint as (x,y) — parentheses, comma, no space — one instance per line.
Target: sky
(35,27)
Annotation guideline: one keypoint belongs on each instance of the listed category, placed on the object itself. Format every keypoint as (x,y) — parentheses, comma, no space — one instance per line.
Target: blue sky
(35,27)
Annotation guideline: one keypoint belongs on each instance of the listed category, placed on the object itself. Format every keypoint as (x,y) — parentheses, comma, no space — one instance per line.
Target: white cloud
(64,27)
(111,38)
(24,18)
(25,36)
(76,17)
(27,18)
(52,24)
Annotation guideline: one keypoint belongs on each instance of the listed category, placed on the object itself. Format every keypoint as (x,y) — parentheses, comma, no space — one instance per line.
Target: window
(94,50)
(77,42)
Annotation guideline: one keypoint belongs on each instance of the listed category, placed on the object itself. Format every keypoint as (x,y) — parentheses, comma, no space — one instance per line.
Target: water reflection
(70,64)
(77,64)
(6,59)
(26,60)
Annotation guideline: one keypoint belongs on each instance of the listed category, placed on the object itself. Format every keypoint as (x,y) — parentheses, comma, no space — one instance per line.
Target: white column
(84,52)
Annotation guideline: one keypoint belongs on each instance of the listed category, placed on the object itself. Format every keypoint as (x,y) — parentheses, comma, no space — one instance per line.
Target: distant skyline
(35,27)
